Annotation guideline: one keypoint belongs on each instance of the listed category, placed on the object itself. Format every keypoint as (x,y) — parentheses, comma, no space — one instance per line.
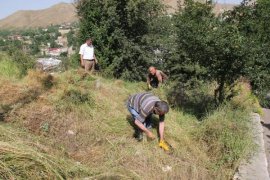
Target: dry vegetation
(84,119)
(57,14)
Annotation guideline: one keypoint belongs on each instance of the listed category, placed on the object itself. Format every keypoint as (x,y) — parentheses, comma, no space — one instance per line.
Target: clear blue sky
(7,7)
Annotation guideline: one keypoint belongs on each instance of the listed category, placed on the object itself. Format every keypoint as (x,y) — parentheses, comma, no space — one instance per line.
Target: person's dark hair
(88,38)
(162,107)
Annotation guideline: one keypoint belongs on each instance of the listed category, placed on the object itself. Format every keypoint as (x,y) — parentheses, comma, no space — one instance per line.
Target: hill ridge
(56,14)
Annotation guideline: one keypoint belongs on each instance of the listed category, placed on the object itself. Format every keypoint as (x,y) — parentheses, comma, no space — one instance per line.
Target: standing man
(142,106)
(88,58)
(155,78)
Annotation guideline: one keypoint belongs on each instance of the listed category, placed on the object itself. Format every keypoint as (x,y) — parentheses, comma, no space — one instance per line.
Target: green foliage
(72,39)
(119,29)
(8,68)
(253,22)
(23,61)
(226,133)
(73,61)
(77,97)
(209,49)
(193,97)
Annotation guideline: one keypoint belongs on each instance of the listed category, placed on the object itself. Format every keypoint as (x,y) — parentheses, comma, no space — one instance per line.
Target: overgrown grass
(8,69)
(226,137)
(86,118)
(25,157)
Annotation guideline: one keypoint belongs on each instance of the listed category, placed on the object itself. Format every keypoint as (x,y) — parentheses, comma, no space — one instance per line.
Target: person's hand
(149,87)
(150,135)
(164,145)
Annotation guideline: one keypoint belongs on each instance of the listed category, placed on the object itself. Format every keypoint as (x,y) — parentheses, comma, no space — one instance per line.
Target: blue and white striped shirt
(143,103)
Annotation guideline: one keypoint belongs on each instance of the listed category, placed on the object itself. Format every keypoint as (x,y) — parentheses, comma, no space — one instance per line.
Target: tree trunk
(220,93)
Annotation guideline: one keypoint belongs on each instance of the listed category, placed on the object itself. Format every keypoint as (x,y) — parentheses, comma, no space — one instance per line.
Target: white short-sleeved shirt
(87,52)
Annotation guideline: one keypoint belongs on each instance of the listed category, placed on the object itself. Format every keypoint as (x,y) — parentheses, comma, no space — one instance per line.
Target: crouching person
(142,106)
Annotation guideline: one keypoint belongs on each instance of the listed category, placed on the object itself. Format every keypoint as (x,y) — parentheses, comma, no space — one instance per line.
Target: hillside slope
(57,14)
(83,119)
(66,13)
(218,8)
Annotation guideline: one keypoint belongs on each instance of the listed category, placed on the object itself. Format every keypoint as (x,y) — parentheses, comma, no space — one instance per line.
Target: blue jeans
(135,114)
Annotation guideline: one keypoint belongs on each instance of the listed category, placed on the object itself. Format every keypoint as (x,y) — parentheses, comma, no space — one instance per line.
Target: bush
(77,97)
(16,62)
(8,68)
(194,97)
(227,136)
(23,61)
(73,61)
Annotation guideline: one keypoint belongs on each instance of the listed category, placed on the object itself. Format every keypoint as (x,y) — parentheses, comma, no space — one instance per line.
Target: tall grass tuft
(8,69)
(24,159)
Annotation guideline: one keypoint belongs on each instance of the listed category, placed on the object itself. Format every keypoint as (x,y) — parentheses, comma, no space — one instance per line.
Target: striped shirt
(143,103)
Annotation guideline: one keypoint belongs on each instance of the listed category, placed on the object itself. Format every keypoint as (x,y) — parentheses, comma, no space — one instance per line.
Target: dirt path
(266,129)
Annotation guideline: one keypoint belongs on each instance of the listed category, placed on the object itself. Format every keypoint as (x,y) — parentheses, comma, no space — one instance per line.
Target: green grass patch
(9,69)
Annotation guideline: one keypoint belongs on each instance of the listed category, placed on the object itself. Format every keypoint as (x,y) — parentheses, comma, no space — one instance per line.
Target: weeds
(21,159)
(85,117)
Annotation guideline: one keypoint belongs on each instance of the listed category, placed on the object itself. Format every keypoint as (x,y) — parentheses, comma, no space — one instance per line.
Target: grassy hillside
(74,126)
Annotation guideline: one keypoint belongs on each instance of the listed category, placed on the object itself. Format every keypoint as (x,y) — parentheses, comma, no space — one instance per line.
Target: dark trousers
(154,83)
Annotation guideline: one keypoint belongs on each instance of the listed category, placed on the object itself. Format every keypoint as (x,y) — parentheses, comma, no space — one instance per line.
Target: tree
(208,49)
(253,23)
(119,29)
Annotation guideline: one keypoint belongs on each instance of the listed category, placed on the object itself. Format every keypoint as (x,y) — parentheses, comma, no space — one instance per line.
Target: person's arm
(81,55)
(148,79)
(159,76)
(148,82)
(162,142)
(144,129)
(161,130)
(164,76)
(82,63)
(96,61)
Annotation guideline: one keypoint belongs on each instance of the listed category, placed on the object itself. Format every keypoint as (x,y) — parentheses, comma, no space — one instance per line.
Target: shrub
(23,61)
(227,136)
(77,97)
(9,69)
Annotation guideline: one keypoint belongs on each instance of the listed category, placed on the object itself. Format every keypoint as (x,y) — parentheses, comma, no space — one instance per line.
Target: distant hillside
(219,8)
(57,14)
(65,13)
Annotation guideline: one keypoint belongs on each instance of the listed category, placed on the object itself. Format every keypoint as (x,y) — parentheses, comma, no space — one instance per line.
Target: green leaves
(119,30)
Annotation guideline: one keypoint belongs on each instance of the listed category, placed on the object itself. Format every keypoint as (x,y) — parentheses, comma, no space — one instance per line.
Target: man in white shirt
(88,58)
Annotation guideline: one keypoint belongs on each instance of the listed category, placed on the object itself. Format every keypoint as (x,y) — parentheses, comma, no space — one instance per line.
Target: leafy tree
(209,49)
(72,39)
(34,48)
(253,23)
(119,29)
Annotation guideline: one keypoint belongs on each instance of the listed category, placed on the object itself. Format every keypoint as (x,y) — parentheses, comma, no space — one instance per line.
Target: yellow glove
(163,145)
(149,87)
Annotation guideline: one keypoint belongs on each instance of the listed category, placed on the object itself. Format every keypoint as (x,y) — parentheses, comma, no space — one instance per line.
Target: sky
(7,7)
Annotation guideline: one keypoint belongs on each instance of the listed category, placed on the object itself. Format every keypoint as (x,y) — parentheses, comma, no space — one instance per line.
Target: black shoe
(138,135)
